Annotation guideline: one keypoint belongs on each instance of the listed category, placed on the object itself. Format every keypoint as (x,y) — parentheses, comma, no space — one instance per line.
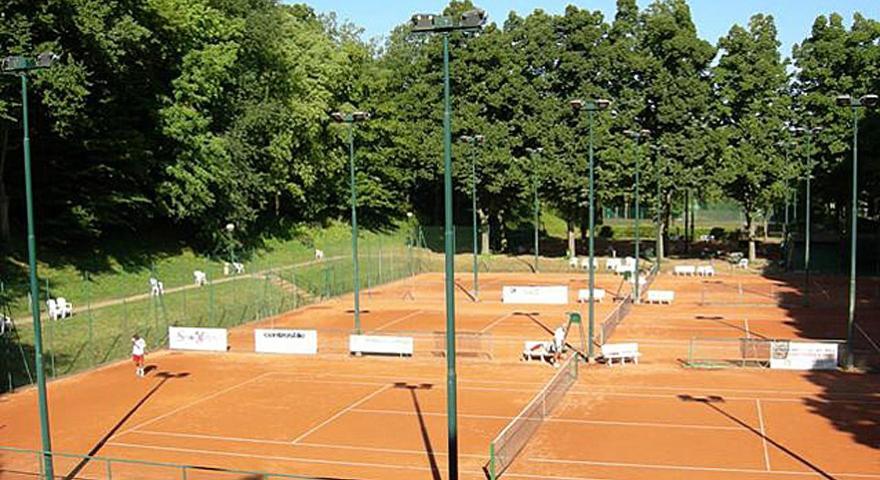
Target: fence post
(109,469)
(211,302)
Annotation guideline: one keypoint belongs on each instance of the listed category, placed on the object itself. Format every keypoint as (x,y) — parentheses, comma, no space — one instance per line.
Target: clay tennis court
(336,416)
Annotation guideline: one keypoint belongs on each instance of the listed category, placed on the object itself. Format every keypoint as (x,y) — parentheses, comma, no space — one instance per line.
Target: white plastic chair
(743,264)
(156,287)
(319,254)
(63,307)
(238,267)
(200,278)
(573,262)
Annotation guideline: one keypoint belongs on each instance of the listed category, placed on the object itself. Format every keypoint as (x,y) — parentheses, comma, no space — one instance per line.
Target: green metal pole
(636,274)
(787,196)
(451,388)
(474,214)
(853,242)
(42,399)
(354,233)
(807,214)
(591,243)
(537,211)
(658,250)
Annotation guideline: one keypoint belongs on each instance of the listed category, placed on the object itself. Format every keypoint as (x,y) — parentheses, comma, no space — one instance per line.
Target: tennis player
(558,343)
(138,350)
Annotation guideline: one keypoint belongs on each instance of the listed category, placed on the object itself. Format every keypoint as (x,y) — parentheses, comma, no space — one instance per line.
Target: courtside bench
(620,351)
(584,295)
(661,296)
(686,270)
(536,350)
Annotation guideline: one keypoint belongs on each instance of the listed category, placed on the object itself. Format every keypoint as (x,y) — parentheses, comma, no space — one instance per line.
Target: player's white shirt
(559,337)
(138,347)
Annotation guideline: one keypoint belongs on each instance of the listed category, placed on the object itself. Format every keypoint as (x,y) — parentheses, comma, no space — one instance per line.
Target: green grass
(279,278)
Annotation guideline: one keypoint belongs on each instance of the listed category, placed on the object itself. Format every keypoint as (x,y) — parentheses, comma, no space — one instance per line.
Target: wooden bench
(584,295)
(620,351)
(661,296)
(540,350)
(687,270)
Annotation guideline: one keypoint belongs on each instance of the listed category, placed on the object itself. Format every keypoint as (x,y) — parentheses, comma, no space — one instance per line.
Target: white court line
(394,322)
(188,405)
(340,413)
(495,322)
(763,434)
(281,458)
(385,450)
(556,420)
(697,469)
(211,437)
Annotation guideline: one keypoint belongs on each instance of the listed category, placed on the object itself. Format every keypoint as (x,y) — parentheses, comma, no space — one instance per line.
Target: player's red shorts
(137,358)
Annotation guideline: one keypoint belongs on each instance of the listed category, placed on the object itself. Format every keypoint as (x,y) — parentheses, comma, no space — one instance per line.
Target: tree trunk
(750,228)
(766,227)
(572,247)
(484,233)
(5,233)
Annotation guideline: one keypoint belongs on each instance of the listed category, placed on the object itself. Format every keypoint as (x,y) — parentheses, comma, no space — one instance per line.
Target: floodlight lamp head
(645,132)
(422,22)
(479,139)
(844,100)
(230,227)
(869,100)
(466,138)
(15,64)
(576,104)
(47,59)
(338,117)
(475,18)
(602,103)
(360,116)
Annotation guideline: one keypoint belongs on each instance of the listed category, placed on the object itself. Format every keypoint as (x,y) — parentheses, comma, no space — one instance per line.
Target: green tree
(753,106)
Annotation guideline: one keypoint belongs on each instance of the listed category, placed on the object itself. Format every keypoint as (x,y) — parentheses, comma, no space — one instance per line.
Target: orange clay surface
(341,417)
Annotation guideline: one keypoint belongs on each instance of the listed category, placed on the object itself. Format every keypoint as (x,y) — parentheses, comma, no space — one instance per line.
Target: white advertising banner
(545,295)
(189,338)
(304,342)
(380,344)
(803,355)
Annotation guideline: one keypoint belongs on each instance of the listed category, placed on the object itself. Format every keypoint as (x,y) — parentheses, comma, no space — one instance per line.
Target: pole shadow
(432,460)
(165,376)
(710,402)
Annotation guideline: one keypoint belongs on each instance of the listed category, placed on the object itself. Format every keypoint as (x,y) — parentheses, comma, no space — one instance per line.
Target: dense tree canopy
(189,114)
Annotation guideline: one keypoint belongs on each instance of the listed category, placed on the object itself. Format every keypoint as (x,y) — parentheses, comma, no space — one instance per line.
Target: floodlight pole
(866,101)
(471,20)
(637,136)
(591,106)
(474,142)
(21,66)
(351,119)
(537,207)
(808,215)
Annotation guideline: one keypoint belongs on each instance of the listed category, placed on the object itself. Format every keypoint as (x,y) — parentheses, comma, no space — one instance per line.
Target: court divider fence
(28,464)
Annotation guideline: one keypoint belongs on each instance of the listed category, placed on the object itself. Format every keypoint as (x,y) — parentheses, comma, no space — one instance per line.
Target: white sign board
(380,344)
(303,342)
(803,355)
(547,295)
(189,338)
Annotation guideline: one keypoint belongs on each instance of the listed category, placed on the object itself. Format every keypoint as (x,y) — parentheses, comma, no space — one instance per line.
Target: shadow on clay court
(435,469)
(165,376)
(711,401)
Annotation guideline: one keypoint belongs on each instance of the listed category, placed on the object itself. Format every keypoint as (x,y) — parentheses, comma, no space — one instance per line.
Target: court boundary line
(555,419)
(658,466)
(193,403)
(395,321)
(495,322)
(763,434)
(341,413)
(278,457)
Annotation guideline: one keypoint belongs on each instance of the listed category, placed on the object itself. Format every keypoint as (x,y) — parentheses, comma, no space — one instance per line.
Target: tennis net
(507,445)
(609,325)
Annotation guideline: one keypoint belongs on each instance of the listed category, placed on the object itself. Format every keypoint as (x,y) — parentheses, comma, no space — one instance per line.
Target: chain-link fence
(98,331)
